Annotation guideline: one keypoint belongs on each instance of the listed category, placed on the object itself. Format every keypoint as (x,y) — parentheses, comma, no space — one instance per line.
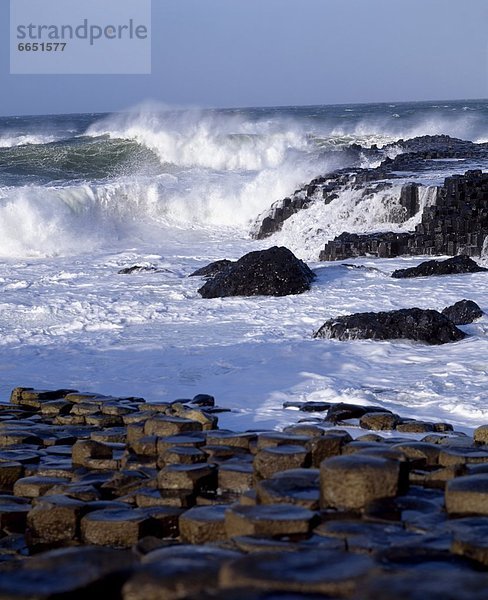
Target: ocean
(83,196)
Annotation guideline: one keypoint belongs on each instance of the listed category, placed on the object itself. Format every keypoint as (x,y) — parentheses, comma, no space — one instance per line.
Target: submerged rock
(463,312)
(272,272)
(141,269)
(416,324)
(451,266)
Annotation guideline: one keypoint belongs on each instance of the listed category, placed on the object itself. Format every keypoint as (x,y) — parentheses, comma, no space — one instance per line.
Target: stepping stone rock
(32,487)
(268,520)
(176,572)
(317,571)
(229,438)
(54,519)
(273,439)
(481,435)
(236,477)
(84,450)
(203,524)
(10,472)
(181,455)
(424,583)
(269,461)
(328,445)
(300,487)
(13,514)
(351,482)
(467,495)
(414,427)
(68,573)
(449,457)
(163,426)
(379,421)
(115,528)
(187,477)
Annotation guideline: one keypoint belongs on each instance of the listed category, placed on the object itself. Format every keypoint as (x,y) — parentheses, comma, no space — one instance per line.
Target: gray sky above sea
(233,53)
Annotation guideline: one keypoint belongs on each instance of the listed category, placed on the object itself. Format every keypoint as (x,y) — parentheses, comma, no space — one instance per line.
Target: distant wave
(22,139)
(76,158)
(137,173)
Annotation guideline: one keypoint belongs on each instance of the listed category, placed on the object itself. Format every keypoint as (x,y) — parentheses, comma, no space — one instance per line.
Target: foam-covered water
(82,196)
(71,182)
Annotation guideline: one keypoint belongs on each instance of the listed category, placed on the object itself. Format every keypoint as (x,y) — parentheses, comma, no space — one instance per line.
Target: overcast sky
(225,53)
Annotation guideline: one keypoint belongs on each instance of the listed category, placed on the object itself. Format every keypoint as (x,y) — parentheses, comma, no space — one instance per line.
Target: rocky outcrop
(353,245)
(273,272)
(128,500)
(451,266)
(416,155)
(457,223)
(463,312)
(427,326)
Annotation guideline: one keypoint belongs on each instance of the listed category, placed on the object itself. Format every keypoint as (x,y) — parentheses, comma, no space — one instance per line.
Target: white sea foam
(73,321)
(307,231)
(22,139)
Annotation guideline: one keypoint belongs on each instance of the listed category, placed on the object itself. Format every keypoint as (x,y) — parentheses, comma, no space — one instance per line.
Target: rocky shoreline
(455,222)
(134,500)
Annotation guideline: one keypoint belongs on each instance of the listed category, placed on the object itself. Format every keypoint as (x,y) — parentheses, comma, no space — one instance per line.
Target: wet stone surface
(164,504)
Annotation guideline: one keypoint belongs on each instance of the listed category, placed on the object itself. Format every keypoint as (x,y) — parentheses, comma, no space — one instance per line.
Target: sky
(236,53)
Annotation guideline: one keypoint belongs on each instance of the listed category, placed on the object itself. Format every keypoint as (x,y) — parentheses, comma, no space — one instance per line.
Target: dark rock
(203,400)
(455,224)
(342,411)
(272,272)
(176,572)
(463,312)
(416,324)
(451,266)
(272,439)
(327,445)
(467,495)
(269,461)
(236,477)
(213,268)
(203,524)
(68,573)
(54,520)
(443,582)
(379,421)
(268,520)
(351,482)
(313,571)
(309,406)
(352,245)
(116,528)
(296,486)
(141,269)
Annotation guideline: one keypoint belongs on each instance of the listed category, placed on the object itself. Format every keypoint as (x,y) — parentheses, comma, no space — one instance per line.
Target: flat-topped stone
(203,524)
(351,482)
(268,520)
(467,495)
(314,571)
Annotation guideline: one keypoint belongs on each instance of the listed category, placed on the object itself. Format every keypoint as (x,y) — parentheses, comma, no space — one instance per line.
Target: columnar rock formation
(456,224)
(120,498)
